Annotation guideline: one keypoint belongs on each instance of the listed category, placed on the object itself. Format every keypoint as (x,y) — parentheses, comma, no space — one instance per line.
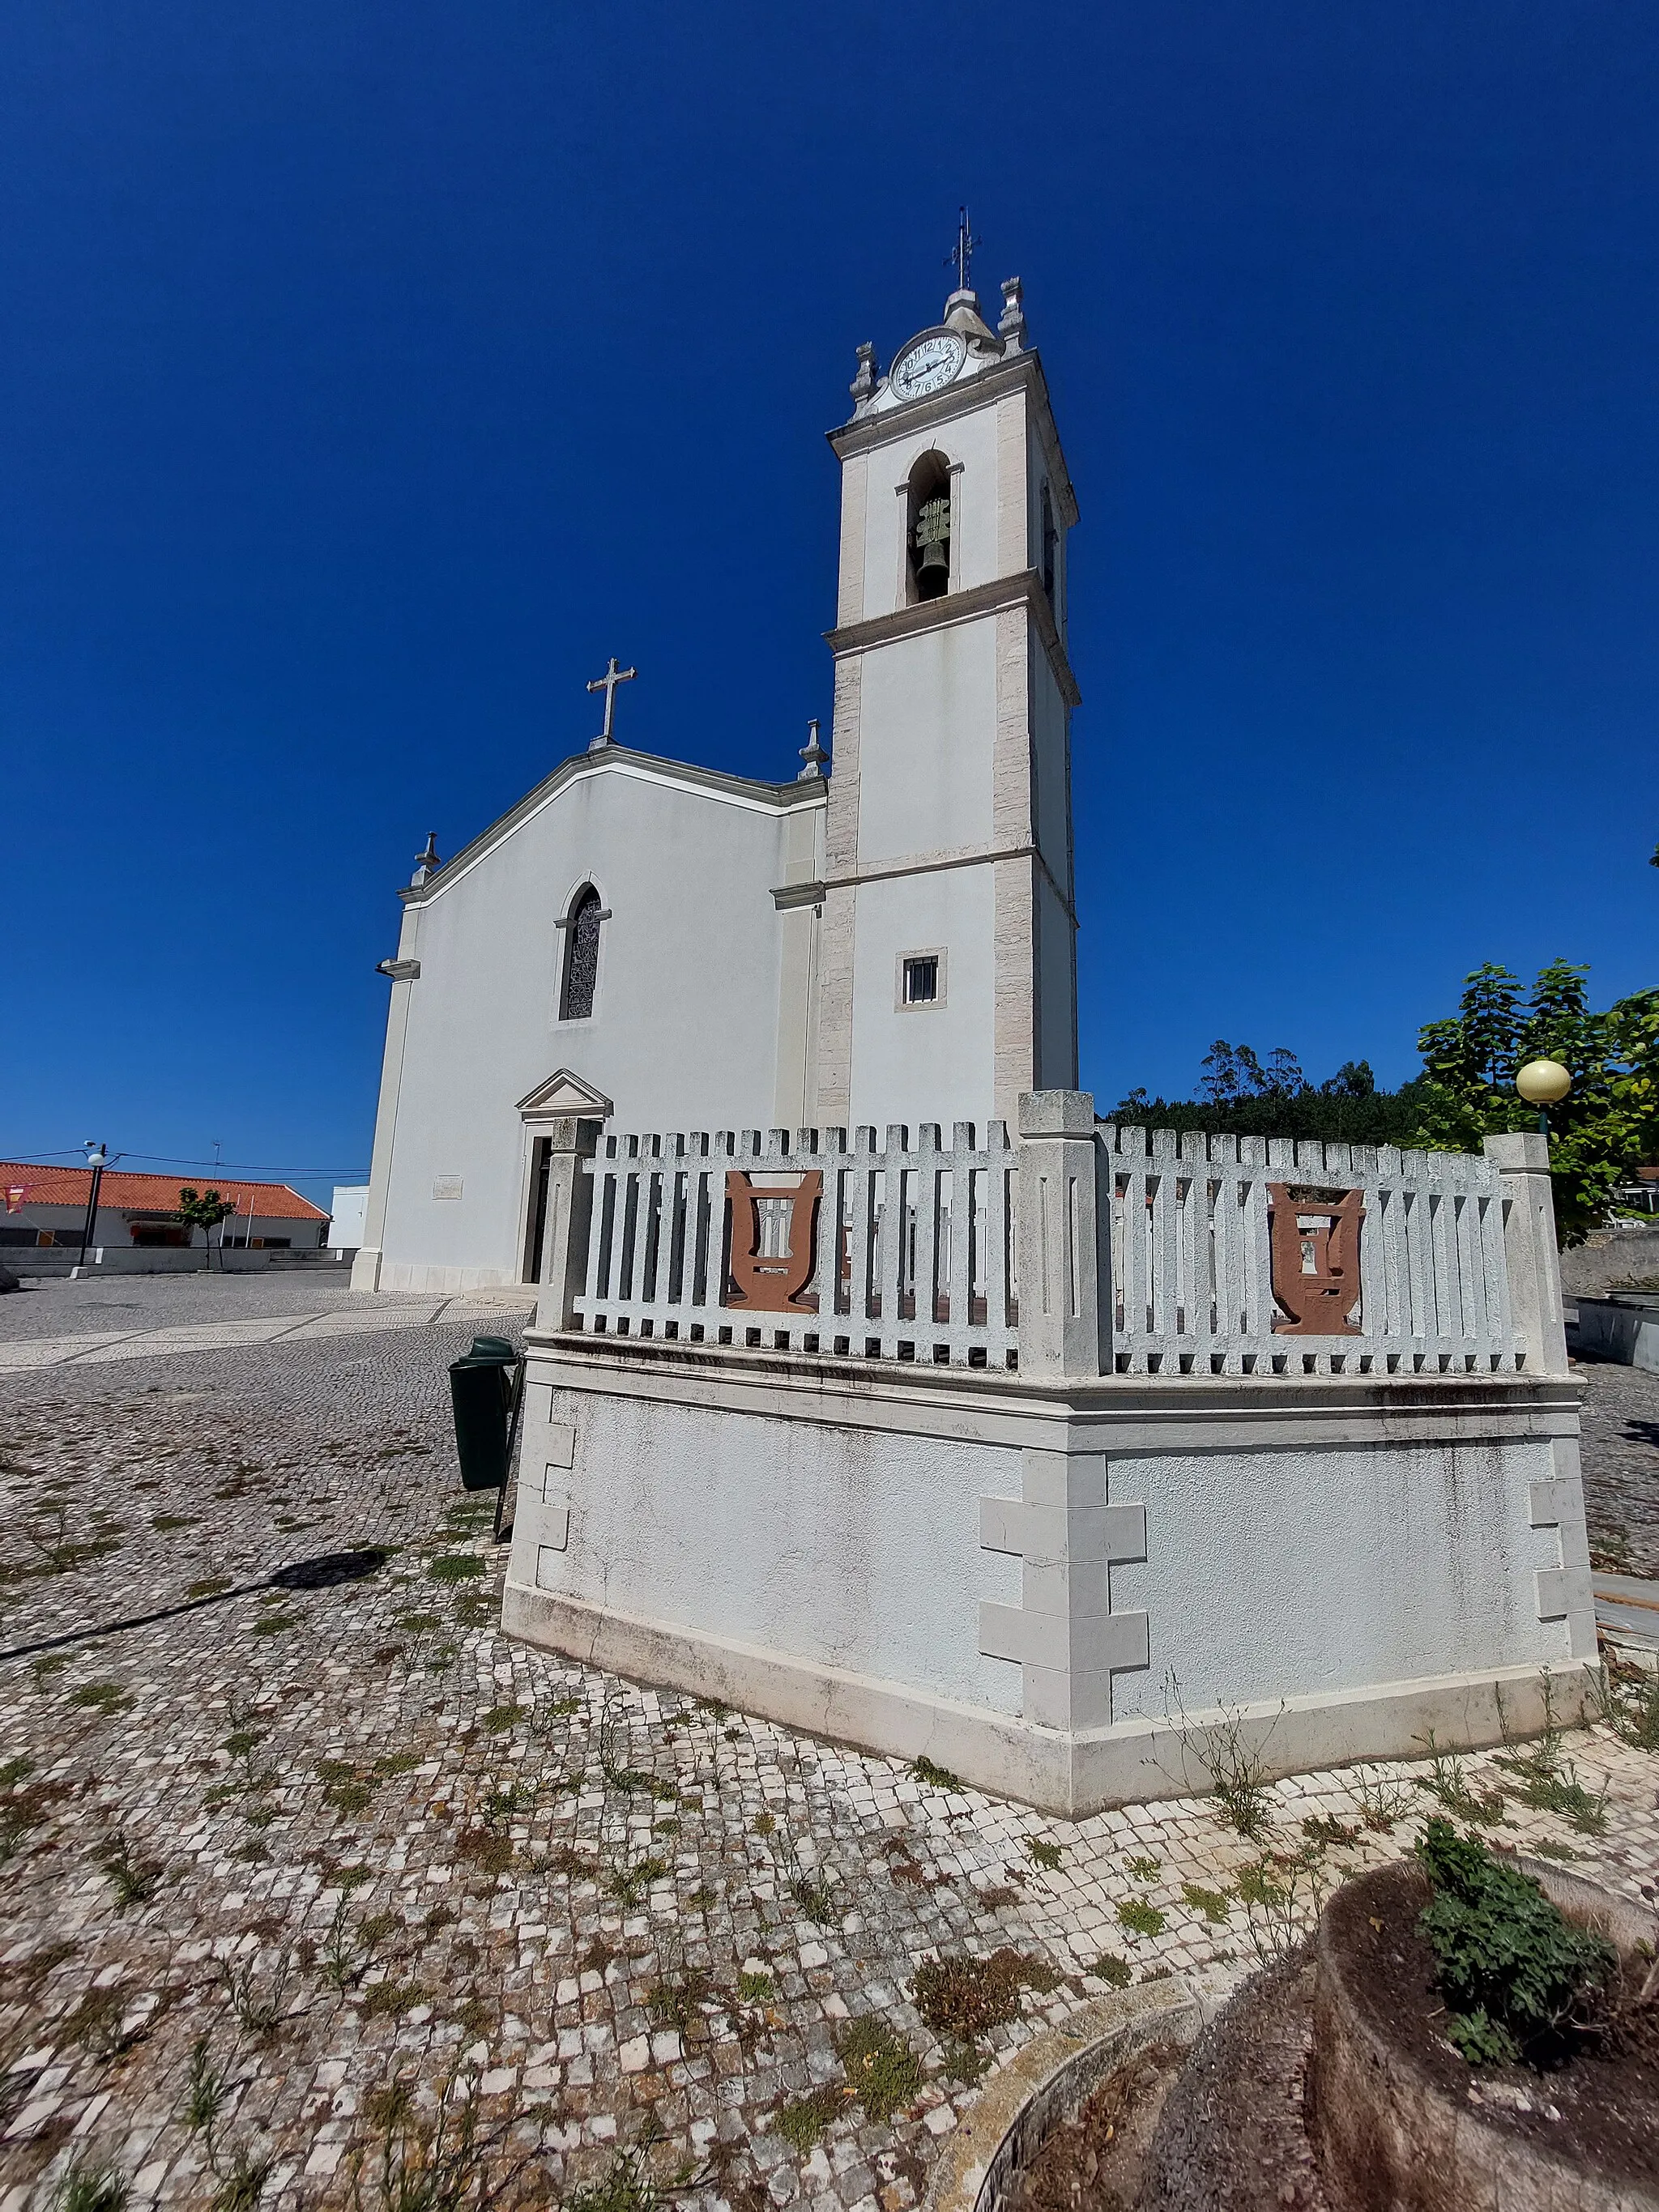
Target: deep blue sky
(370,372)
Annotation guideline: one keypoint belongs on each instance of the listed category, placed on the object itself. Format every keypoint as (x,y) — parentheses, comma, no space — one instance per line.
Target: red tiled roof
(154,1194)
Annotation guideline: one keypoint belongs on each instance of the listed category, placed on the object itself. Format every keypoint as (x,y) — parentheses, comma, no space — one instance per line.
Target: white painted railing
(920,1268)
(1145,1252)
(1192,1268)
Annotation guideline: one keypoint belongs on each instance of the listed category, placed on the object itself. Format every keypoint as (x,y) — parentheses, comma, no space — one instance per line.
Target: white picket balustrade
(913,1258)
(1191,1269)
(915,1250)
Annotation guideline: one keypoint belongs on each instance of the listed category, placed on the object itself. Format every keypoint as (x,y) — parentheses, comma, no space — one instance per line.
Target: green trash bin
(484,1390)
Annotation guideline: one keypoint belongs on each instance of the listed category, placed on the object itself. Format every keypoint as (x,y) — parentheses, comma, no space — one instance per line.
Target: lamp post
(97,1160)
(1543,1084)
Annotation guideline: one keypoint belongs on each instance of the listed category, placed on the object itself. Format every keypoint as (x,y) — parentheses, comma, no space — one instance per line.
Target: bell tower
(948,975)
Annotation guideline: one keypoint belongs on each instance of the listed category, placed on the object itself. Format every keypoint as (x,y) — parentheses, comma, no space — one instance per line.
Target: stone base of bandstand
(1067,1595)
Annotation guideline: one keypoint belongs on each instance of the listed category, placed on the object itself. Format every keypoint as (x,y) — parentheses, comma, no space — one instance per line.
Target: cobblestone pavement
(52,1324)
(311,1883)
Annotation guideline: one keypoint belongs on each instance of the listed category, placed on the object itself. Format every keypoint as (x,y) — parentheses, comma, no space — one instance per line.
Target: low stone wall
(1623,1329)
(1061,1593)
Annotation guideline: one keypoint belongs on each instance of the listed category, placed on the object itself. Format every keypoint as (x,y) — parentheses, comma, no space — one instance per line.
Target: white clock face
(928,365)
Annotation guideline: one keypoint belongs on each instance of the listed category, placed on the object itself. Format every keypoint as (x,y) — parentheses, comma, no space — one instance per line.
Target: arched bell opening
(927,530)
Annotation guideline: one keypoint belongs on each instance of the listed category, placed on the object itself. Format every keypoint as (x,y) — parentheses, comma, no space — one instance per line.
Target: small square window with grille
(921,980)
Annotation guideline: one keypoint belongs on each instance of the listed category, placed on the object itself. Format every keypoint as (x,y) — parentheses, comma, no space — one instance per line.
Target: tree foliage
(1608,1120)
(1242,1097)
(203,1210)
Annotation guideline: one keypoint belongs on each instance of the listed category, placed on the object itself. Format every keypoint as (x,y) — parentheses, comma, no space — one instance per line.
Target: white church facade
(895,939)
(876,1386)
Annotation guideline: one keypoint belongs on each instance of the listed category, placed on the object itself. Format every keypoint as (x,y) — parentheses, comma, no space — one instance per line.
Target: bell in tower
(930,528)
(933,547)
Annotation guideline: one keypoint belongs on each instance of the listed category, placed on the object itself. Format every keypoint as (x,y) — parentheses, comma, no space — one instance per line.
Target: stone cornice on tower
(867,432)
(1024,588)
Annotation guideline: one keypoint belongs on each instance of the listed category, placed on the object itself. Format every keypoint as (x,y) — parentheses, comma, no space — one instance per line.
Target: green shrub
(1517,1977)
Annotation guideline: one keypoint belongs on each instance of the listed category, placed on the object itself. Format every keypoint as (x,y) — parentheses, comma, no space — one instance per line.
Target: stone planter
(1046,2084)
(1392,2127)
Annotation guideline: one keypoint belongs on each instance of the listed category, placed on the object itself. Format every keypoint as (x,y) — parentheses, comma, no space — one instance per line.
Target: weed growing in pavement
(754,1987)
(259,2011)
(455,1567)
(206,2089)
(1145,1869)
(1232,1760)
(1043,1853)
(347,1953)
(812,1887)
(43,1670)
(91,2188)
(1141,1918)
(882,2071)
(95,2023)
(1324,1829)
(1212,1903)
(100,1697)
(1117,1973)
(962,1999)
(965,2063)
(422,2162)
(613,1747)
(1547,1778)
(936,1777)
(1282,1893)
(630,1884)
(24,1804)
(499,1718)
(1382,1798)
(499,1805)
(803,2119)
(675,1998)
(44,1529)
(1447,1782)
(134,1881)
(242,2183)
(1627,1701)
(488,1850)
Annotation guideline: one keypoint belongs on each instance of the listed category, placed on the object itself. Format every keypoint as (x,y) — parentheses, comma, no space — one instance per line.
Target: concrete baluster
(1530,1253)
(1064,1262)
(571,1143)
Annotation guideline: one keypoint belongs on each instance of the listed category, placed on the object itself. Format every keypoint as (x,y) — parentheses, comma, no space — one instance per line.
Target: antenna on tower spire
(962,252)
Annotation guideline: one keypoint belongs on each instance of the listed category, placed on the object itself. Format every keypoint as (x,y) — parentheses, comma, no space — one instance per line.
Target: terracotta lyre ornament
(774,1243)
(1313,1239)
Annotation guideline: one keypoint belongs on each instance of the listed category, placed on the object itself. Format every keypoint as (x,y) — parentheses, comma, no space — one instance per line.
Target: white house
(893,939)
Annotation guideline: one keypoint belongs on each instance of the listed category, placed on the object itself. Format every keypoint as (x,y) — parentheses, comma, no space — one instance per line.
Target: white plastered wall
(1291,1573)
(840,1547)
(685,1030)
(934,1061)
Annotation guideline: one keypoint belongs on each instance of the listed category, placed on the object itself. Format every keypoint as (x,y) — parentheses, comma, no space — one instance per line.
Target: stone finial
(863,386)
(813,754)
(1012,328)
(962,314)
(428,863)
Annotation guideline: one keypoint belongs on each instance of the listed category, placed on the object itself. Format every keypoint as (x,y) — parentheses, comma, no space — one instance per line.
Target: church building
(888,936)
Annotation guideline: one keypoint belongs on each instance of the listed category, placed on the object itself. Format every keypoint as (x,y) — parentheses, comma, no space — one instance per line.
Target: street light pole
(97,1160)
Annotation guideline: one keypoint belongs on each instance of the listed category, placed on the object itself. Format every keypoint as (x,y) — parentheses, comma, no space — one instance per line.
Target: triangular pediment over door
(563,1097)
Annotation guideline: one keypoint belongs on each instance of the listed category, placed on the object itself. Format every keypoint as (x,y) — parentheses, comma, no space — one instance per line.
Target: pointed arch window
(581,955)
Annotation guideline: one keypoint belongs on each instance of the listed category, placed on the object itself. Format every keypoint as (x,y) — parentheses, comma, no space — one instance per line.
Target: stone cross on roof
(612,677)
